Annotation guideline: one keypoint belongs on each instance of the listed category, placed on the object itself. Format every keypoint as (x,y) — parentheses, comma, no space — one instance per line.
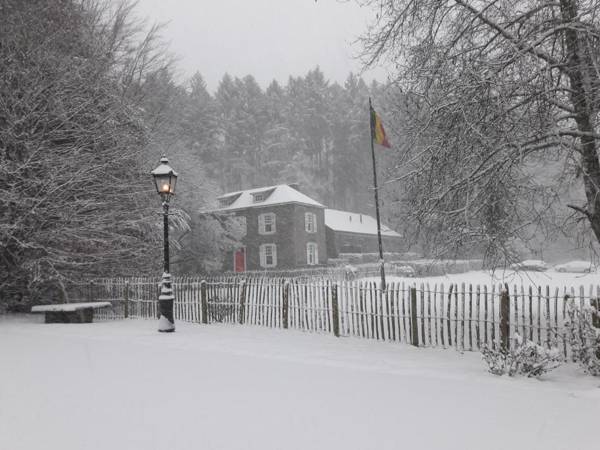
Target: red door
(239,260)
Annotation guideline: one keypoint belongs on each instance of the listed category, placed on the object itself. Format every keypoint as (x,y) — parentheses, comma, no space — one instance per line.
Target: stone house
(285,229)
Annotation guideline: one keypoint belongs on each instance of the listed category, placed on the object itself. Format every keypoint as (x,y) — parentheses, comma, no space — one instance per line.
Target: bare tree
(498,96)
(74,183)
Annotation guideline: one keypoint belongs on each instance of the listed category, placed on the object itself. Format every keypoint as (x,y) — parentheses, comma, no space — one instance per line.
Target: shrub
(583,334)
(525,358)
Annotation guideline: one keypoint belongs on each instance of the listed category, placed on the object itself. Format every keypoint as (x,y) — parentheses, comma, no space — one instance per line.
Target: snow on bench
(70,312)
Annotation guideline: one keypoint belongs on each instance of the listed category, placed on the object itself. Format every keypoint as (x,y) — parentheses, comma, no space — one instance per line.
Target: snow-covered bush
(221,312)
(525,358)
(584,337)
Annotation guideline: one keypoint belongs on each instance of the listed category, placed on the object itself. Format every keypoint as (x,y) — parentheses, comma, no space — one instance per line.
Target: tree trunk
(583,105)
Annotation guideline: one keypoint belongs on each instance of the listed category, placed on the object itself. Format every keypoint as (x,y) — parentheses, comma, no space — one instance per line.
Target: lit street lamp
(165,179)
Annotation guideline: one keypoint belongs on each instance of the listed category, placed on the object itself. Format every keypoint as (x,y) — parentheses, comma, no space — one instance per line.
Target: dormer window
(266,223)
(228,200)
(258,197)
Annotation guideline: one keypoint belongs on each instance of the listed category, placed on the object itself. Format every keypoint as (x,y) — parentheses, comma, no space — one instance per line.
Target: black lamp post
(165,179)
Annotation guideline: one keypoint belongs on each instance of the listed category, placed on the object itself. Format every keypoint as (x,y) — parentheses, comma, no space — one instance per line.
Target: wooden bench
(70,312)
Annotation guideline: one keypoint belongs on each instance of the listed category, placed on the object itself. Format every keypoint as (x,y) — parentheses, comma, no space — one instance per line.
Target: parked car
(576,267)
(536,265)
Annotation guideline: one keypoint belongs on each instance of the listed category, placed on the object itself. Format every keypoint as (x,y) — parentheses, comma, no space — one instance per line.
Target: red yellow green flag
(377,131)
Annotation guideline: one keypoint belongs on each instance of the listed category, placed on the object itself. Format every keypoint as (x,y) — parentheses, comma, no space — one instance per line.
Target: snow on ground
(122,385)
(526,278)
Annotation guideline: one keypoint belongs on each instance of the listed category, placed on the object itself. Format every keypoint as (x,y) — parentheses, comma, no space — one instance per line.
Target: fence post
(335,311)
(203,301)
(286,304)
(504,318)
(595,304)
(414,328)
(126,304)
(242,302)
(156,312)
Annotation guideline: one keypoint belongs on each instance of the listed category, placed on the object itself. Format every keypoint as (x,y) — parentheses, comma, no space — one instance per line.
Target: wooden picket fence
(464,317)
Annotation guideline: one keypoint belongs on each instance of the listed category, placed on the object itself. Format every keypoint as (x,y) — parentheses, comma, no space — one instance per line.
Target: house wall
(343,242)
(332,248)
(290,236)
(301,237)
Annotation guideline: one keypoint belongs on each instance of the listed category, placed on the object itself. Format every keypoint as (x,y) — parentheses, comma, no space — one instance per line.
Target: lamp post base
(166,322)
(165,326)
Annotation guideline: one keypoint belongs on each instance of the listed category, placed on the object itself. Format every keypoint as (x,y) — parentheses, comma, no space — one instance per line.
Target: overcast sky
(265,38)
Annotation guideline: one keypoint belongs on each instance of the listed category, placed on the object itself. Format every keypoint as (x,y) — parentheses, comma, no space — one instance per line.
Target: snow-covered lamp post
(165,179)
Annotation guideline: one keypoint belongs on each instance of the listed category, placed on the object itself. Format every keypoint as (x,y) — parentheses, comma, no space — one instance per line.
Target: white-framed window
(312,254)
(257,198)
(266,223)
(310,222)
(268,255)
(241,225)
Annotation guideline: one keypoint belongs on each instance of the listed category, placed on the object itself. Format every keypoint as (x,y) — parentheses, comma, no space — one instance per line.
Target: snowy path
(122,385)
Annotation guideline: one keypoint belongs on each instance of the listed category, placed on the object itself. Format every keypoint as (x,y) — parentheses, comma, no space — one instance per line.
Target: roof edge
(263,206)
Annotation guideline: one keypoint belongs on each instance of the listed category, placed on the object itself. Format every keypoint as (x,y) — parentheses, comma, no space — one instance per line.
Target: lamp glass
(165,178)
(172,183)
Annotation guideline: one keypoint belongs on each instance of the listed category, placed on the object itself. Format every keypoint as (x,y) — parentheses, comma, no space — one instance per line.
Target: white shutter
(312,254)
(274,255)
(310,222)
(262,255)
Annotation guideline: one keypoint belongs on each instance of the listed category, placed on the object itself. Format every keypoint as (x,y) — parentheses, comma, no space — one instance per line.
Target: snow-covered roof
(164,168)
(350,222)
(264,196)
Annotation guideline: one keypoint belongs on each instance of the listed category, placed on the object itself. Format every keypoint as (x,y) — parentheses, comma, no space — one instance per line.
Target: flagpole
(381,261)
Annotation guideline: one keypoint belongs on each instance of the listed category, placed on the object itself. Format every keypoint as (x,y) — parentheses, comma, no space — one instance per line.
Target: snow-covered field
(550,278)
(122,385)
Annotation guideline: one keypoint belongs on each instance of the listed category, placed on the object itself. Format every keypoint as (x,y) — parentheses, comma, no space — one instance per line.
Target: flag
(377,131)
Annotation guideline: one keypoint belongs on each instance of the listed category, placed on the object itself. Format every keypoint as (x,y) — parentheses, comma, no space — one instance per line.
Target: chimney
(295,186)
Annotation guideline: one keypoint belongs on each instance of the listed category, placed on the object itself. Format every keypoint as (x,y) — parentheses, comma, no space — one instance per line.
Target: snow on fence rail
(464,317)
